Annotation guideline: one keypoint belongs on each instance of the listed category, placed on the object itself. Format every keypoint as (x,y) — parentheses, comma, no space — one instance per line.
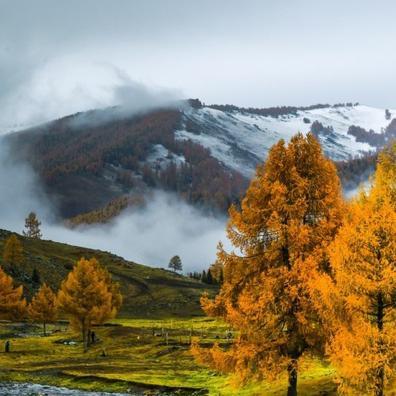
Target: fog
(152,235)
(165,227)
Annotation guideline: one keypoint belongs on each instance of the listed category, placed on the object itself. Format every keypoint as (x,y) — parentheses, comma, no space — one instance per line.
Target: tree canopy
(13,251)
(32,226)
(42,308)
(358,297)
(12,303)
(88,296)
(175,263)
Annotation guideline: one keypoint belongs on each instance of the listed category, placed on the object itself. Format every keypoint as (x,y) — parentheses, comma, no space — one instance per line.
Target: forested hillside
(85,163)
(148,292)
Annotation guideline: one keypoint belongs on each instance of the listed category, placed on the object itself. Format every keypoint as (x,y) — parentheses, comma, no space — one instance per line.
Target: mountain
(240,138)
(147,292)
(90,162)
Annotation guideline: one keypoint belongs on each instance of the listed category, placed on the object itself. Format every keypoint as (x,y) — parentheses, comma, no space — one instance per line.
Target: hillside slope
(148,292)
(85,163)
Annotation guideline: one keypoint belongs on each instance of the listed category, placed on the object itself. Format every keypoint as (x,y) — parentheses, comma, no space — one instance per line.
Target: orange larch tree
(88,296)
(358,300)
(42,308)
(13,251)
(385,175)
(12,303)
(290,213)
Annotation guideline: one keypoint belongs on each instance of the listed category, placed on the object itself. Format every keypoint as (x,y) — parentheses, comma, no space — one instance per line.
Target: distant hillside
(147,291)
(90,159)
(93,163)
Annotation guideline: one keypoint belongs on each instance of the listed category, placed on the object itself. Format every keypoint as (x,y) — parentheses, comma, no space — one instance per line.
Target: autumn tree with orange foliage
(359,300)
(290,213)
(13,251)
(88,296)
(42,308)
(12,303)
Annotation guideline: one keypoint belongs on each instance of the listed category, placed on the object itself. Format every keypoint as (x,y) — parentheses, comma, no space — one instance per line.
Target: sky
(59,57)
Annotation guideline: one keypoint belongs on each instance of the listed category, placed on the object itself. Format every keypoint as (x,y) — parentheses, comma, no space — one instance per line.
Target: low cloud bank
(165,227)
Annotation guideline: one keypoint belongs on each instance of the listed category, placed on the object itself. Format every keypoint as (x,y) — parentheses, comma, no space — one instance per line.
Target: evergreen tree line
(207,277)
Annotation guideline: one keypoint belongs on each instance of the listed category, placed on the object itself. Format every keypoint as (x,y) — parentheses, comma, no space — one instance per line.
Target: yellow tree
(13,251)
(12,303)
(291,212)
(358,300)
(42,308)
(385,175)
(88,296)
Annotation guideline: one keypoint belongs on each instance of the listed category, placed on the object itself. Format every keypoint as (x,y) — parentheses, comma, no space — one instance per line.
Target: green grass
(137,360)
(147,291)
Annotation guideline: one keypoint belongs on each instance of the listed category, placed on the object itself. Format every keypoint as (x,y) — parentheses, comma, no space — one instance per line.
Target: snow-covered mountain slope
(241,139)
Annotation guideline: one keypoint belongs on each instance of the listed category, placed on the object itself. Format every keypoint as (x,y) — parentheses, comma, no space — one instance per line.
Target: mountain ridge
(206,154)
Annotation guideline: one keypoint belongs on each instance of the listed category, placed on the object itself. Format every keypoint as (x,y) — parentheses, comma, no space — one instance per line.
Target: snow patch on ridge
(240,140)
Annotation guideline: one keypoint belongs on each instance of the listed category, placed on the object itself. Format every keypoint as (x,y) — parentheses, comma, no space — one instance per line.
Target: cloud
(134,97)
(47,93)
(20,192)
(151,236)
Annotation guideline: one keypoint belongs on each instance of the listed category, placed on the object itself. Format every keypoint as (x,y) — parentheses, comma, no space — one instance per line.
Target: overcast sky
(58,57)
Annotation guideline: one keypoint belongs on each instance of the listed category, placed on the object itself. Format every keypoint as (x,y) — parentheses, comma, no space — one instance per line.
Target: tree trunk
(44,329)
(292,371)
(379,388)
(379,391)
(84,337)
(89,338)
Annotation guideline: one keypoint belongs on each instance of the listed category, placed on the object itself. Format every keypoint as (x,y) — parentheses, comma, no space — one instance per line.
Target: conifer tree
(42,308)
(204,277)
(291,212)
(36,279)
(216,270)
(385,175)
(32,226)
(358,300)
(175,263)
(88,296)
(13,251)
(209,277)
(12,303)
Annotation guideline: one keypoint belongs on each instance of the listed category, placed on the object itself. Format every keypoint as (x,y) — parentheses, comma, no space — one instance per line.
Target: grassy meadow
(139,358)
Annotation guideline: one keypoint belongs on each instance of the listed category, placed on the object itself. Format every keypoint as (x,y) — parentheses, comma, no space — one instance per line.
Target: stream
(29,389)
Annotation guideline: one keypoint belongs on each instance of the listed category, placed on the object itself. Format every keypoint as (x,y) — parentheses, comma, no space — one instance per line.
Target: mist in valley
(152,235)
